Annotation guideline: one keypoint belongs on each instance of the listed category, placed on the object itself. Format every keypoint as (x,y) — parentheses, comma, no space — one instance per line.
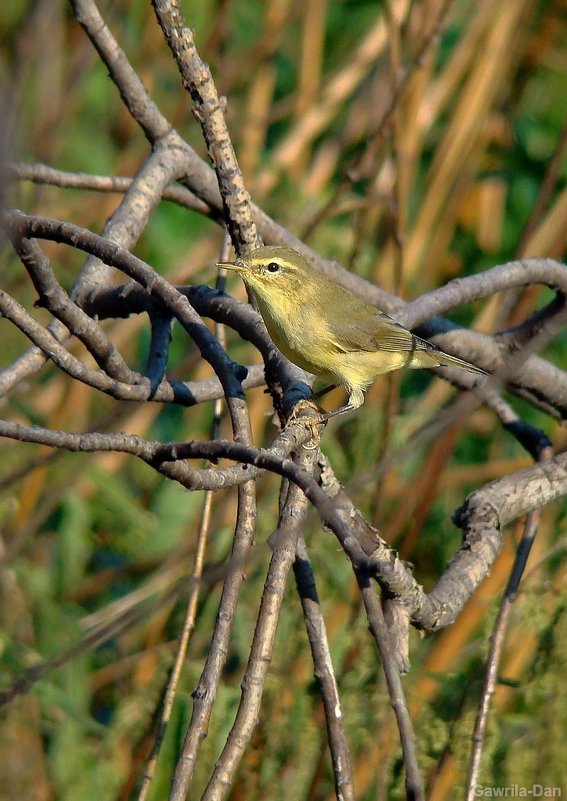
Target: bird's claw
(313,423)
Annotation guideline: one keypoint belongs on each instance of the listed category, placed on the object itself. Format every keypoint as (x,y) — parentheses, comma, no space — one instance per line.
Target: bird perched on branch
(326,329)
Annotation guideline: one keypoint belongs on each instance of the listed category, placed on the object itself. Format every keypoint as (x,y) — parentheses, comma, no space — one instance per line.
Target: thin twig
(206,690)
(497,640)
(324,672)
(44,174)
(495,652)
(187,628)
(379,630)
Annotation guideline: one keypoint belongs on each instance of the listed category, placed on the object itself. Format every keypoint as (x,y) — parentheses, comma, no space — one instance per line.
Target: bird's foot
(303,413)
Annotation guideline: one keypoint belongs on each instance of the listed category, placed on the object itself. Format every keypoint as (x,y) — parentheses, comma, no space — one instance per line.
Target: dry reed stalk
(310,70)
(338,88)
(254,123)
(410,517)
(550,237)
(254,126)
(496,52)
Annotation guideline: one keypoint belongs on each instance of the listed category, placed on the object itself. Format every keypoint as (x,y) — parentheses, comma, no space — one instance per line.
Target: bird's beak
(235,266)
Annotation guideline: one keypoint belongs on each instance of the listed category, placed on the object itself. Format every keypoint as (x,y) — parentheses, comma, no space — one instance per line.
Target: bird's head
(275,273)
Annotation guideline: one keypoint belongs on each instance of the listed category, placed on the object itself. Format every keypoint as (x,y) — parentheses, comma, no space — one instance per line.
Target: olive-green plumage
(326,329)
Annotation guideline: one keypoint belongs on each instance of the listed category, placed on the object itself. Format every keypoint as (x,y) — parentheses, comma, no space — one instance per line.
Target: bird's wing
(371,330)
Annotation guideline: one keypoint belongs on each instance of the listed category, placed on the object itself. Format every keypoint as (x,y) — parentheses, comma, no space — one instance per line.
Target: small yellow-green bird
(326,329)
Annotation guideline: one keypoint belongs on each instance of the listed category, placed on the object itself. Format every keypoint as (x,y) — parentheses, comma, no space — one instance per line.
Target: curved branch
(56,300)
(229,373)
(482,517)
(522,272)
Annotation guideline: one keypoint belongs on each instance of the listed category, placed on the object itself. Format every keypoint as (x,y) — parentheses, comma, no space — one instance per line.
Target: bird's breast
(299,333)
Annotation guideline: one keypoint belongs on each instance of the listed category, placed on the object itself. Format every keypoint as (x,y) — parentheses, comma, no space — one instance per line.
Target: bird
(326,329)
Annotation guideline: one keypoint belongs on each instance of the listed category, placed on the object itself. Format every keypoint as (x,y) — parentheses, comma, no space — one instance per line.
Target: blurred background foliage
(412,141)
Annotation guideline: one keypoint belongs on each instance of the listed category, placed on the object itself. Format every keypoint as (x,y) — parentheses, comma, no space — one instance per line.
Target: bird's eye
(273,267)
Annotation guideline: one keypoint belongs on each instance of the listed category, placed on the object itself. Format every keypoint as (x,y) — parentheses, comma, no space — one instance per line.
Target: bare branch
(197,80)
(67,233)
(205,693)
(161,324)
(44,174)
(42,338)
(324,672)
(284,547)
(495,652)
(56,300)
(390,665)
(485,512)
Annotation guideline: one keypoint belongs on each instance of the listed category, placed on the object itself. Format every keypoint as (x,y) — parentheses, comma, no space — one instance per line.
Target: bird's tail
(438,358)
(454,361)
